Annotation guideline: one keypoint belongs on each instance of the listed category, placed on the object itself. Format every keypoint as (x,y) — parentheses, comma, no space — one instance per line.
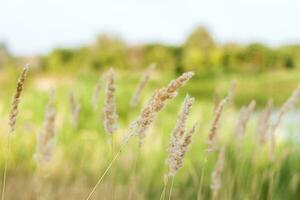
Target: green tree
(200,52)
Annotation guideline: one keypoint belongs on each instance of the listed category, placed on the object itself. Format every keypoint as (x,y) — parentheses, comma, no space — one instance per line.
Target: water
(290,125)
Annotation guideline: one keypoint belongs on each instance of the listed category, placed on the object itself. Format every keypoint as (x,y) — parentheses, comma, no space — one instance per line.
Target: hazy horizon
(35,27)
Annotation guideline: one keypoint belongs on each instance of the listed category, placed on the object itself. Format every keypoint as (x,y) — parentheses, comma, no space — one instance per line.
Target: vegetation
(199,53)
(222,143)
(82,153)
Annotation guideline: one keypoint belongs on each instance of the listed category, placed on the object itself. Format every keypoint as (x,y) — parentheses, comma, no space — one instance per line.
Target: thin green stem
(8,149)
(202,178)
(132,185)
(171,188)
(270,196)
(112,157)
(106,170)
(163,193)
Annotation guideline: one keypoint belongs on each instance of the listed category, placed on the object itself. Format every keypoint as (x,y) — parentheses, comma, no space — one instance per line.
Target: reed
(141,85)
(75,109)
(218,109)
(109,110)
(12,122)
(180,138)
(216,178)
(214,127)
(16,100)
(263,123)
(213,132)
(179,142)
(243,119)
(44,147)
(45,138)
(286,107)
(97,92)
(140,126)
(156,103)
(231,91)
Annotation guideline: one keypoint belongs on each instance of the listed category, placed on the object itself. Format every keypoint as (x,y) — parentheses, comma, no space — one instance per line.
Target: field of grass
(81,154)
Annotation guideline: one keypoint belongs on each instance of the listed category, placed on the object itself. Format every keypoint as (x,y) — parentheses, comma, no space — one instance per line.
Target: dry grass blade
(141,85)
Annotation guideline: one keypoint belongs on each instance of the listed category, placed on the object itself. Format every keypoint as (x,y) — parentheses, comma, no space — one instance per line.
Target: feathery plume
(245,115)
(75,109)
(216,177)
(96,95)
(214,127)
(219,106)
(180,138)
(156,104)
(286,107)
(16,100)
(141,85)
(231,91)
(109,113)
(263,123)
(45,138)
(216,100)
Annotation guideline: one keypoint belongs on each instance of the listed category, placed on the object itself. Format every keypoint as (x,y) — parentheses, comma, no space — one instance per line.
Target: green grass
(82,154)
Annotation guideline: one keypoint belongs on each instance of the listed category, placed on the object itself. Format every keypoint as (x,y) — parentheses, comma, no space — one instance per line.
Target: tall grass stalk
(171,187)
(141,125)
(199,192)
(141,85)
(134,172)
(163,193)
(12,123)
(112,157)
(211,141)
(116,156)
(7,153)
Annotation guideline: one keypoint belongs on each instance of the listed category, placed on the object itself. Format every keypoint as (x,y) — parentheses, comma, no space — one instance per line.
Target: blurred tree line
(199,53)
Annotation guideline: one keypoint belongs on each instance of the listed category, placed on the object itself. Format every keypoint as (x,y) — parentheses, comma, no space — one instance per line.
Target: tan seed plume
(214,127)
(16,100)
(286,107)
(75,109)
(138,91)
(212,136)
(45,138)
(156,104)
(263,123)
(109,113)
(96,95)
(216,177)
(216,100)
(231,91)
(180,138)
(245,115)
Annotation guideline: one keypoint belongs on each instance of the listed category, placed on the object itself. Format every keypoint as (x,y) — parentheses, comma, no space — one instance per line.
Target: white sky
(37,26)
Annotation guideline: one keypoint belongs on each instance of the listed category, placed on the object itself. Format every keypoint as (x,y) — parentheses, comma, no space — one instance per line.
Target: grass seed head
(16,100)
